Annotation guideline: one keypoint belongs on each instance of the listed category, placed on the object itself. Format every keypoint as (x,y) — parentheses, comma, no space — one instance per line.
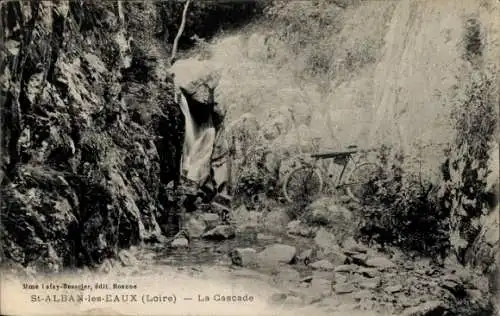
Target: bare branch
(179,32)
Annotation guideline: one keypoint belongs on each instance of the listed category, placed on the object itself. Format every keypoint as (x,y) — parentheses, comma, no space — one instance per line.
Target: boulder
(336,257)
(327,212)
(276,220)
(195,226)
(242,218)
(243,256)
(277,253)
(321,287)
(431,308)
(346,268)
(210,219)
(306,256)
(324,265)
(197,79)
(391,289)
(380,263)
(296,227)
(325,240)
(344,288)
(180,243)
(220,232)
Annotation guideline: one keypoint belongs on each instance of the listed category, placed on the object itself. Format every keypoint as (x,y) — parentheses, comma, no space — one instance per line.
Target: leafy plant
(401,211)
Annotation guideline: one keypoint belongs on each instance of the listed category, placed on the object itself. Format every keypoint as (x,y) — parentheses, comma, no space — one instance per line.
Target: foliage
(402,212)
(205,19)
(317,35)
(465,171)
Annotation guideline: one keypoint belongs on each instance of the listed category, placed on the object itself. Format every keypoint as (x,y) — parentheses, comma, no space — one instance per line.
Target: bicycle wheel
(302,185)
(360,180)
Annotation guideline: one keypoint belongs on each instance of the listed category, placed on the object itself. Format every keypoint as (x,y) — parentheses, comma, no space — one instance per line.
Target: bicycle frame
(347,157)
(346,160)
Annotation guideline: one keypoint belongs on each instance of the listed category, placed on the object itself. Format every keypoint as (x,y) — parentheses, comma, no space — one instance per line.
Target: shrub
(464,191)
(401,211)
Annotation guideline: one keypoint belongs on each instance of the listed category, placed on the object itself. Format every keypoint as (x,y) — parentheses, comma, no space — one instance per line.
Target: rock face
(90,134)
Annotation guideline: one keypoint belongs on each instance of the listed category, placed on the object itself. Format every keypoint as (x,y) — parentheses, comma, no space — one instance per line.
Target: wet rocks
(325,240)
(321,287)
(393,288)
(431,308)
(344,288)
(327,212)
(380,263)
(180,243)
(371,284)
(306,256)
(277,253)
(195,227)
(265,237)
(220,232)
(276,220)
(127,258)
(296,227)
(354,247)
(243,256)
(242,219)
(210,219)
(324,265)
(336,257)
(369,272)
(359,259)
(346,268)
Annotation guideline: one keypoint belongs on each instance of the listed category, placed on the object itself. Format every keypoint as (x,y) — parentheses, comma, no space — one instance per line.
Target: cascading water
(198,146)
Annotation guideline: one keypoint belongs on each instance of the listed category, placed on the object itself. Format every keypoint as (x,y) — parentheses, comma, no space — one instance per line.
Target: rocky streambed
(295,266)
(291,267)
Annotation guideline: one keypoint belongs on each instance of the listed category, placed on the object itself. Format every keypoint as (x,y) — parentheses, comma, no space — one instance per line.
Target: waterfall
(198,145)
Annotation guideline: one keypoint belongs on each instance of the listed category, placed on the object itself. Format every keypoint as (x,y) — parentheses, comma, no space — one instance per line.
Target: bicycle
(304,183)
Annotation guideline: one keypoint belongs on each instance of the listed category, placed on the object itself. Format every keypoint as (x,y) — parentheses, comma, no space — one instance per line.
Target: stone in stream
(277,253)
(265,237)
(431,308)
(336,257)
(370,284)
(380,263)
(363,295)
(180,243)
(211,220)
(353,246)
(195,227)
(321,287)
(220,232)
(359,259)
(296,227)
(243,256)
(394,288)
(276,220)
(305,256)
(325,240)
(346,268)
(127,259)
(343,288)
(324,265)
(369,272)
(328,275)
